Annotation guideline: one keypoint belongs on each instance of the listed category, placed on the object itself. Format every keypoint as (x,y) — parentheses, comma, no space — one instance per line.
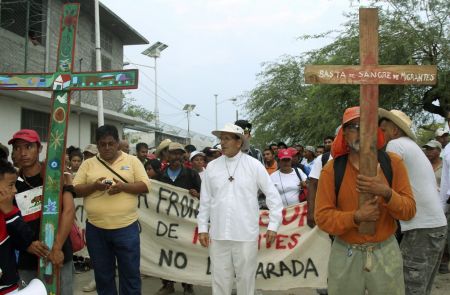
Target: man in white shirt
(445,189)
(424,236)
(228,218)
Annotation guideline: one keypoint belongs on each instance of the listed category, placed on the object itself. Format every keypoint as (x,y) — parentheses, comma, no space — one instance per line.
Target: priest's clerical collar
(233,157)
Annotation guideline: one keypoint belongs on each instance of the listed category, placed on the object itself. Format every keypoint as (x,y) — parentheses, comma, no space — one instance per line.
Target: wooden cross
(62,83)
(369,75)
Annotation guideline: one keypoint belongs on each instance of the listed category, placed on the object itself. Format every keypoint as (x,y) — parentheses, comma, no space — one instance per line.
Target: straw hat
(164,144)
(400,119)
(235,129)
(91,148)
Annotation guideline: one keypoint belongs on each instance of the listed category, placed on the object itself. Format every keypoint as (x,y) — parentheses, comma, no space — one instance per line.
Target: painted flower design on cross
(50,208)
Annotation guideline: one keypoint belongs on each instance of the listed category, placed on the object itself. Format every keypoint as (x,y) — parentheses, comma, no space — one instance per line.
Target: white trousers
(230,258)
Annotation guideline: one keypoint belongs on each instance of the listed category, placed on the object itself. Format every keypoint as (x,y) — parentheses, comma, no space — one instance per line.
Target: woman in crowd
(289,181)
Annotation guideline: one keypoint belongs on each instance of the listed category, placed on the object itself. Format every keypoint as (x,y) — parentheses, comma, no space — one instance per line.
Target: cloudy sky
(218,47)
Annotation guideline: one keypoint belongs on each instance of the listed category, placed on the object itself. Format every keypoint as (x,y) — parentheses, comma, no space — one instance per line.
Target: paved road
(151,285)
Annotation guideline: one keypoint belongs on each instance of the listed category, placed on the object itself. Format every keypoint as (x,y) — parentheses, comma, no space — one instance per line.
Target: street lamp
(188,108)
(155,52)
(217,103)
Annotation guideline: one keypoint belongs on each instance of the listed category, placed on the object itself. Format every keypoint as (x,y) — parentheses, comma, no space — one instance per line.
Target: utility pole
(215,98)
(98,59)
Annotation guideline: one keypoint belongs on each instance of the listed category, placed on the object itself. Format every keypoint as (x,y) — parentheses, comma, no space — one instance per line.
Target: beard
(354,146)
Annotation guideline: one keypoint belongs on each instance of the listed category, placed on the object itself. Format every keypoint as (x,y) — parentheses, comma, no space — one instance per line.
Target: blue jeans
(107,245)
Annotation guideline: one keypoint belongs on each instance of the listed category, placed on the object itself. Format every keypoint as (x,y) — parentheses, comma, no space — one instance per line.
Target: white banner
(170,248)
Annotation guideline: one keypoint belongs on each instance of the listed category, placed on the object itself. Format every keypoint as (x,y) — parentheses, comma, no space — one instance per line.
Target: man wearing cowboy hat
(360,262)
(178,175)
(425,235)
(162,152)
(228,218)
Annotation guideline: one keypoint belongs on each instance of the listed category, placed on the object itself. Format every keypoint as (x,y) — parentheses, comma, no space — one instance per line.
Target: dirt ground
(151,285)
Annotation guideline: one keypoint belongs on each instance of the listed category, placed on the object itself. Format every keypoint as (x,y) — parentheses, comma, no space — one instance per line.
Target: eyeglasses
(353,126)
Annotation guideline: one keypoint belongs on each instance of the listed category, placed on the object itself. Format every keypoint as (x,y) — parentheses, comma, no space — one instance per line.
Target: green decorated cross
(62,83)
(369,75)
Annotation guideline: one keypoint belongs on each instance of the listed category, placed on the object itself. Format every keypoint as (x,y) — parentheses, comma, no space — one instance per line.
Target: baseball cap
(440,132)
(310,148)
(195,154)
(292,150)
(284,154)
(350,114)
(91,148)
(174,146)
(27,135)
(244,124)
(433,144)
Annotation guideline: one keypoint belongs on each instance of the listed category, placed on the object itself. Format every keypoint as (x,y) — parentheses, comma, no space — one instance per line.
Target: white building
(31,109)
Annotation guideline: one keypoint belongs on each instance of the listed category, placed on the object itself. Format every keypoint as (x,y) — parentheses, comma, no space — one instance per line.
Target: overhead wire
(165,91)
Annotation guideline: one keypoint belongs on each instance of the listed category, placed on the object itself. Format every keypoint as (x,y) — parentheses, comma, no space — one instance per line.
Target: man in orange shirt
(360,263)
(269,161)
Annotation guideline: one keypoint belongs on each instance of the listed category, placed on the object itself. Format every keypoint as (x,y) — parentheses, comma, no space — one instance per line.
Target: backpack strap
(341,162)
(325,158)
(385,163)
(298,174)
(339,171)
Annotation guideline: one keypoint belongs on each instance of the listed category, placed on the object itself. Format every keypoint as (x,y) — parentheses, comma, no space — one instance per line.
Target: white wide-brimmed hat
(235,129)
(400,119)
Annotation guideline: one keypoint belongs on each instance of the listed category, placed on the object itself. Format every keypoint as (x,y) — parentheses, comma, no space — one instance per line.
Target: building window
(13,17)
(38,121)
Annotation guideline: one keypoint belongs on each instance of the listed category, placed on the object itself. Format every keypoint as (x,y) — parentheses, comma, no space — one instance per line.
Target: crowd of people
(233,179)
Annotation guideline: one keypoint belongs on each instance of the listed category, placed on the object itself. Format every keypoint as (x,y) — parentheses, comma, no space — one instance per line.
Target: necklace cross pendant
(230,178)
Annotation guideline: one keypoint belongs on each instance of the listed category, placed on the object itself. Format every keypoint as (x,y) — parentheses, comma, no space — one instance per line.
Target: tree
(282,107)
(130,108)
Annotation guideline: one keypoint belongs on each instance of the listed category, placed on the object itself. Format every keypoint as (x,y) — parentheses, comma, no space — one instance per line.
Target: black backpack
(325,158)
(341,162)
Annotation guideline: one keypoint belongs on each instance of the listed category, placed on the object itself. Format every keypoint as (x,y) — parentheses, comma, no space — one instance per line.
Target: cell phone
(108,181)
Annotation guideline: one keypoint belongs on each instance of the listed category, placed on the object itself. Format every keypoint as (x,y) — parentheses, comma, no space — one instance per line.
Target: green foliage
(426,132)
(130,108)
(283,108)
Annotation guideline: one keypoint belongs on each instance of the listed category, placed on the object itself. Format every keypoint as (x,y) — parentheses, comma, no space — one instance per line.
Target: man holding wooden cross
(377,205)
(358,261)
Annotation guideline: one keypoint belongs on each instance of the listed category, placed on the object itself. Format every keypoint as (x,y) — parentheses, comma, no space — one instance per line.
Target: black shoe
(443,269)
(189,289)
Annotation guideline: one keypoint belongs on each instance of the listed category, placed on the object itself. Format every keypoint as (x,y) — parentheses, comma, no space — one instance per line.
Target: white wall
(79,130)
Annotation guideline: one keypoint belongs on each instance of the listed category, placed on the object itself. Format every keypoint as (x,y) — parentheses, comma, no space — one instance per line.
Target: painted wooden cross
(62,83)
(369,75)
